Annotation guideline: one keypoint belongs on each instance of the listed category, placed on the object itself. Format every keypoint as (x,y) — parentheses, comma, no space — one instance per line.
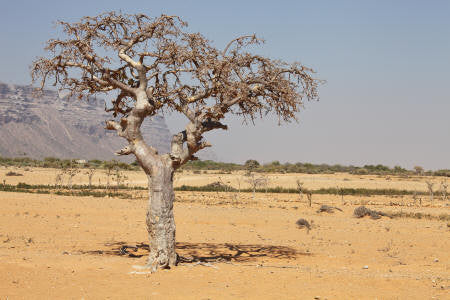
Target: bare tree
(430,190)
(109,168)
(225,185)
(59,178)
(419,170)
(256,182)
(416,199)
(299,189)
(154,65)
(71,172)
(237,195)
(309,196)
(119,177)
(341,191)
(444,186)
(90,174)
(265,183)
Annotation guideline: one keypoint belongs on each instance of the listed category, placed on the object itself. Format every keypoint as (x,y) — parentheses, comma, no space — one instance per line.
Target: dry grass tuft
(363,211)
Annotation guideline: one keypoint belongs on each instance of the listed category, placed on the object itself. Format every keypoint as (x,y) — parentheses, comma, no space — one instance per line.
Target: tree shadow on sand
(205,252)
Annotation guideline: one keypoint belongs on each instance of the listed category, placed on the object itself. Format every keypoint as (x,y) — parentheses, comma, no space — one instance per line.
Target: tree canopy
(155,65)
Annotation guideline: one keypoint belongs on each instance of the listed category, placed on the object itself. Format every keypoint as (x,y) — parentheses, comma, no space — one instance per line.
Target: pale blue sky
(387,66)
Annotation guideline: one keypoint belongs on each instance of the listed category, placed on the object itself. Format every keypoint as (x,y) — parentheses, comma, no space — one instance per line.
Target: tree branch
(253,37)
(165,68)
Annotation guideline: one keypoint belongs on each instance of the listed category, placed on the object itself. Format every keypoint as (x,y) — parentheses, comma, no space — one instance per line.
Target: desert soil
(61,247)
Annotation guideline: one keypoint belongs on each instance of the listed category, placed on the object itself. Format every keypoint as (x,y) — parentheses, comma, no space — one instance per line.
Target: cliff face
(48,125)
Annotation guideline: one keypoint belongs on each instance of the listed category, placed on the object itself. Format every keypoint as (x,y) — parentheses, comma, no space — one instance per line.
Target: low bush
(11,173)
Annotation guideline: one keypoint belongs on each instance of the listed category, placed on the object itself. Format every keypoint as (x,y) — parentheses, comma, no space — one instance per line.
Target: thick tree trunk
(160,218)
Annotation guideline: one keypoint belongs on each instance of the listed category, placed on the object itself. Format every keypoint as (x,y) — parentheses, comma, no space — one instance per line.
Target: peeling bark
(160,219)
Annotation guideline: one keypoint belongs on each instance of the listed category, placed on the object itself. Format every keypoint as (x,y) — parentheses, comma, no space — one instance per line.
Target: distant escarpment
(50,125)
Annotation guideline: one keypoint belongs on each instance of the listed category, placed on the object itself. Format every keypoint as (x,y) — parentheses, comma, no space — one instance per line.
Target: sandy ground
(61,247)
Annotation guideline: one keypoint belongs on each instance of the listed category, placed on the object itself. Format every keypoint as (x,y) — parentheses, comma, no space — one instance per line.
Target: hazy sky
(387,66)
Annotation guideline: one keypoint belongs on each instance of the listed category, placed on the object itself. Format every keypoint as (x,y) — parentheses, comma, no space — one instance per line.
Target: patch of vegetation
(212,187)
(363,211)
(302,223)
(445,173)
(366,192)
(75,187)
(75,191)
(211,165)
(308,168)
(226,168)
(418,215)
(328,209)
(57,163)
(11,173)
(219,187)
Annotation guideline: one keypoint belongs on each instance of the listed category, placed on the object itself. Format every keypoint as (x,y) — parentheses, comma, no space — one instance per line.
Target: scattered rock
(365,267)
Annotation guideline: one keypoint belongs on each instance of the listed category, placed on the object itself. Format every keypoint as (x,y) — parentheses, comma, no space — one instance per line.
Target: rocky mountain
(50,125)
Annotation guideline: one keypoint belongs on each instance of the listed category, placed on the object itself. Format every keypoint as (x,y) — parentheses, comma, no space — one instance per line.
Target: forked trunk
(160,218)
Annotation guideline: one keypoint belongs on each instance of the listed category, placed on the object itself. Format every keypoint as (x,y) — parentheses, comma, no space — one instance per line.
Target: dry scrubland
(66,247)
(236,179)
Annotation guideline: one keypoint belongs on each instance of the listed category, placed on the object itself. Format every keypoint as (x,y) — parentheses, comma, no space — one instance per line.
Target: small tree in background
(154,65)
(299,189)
(59,178)
(109,168)
(309,196)
(119,177)
(250,165)
(419,170)
(256,181)
(341,192)
(237,195)
(71,172)
(90,174)
(416,198)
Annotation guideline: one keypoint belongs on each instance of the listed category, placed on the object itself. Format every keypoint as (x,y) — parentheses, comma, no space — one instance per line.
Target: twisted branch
(154,65)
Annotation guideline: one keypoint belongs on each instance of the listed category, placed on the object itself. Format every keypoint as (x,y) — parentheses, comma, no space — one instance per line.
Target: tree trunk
(160,218)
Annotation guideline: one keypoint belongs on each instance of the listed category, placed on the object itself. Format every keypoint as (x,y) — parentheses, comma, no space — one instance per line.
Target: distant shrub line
(307,168)
(281,190)
(363,211)
(57,163)
(418,215)
(250,165)
(48,189)
(100,190)
(77,187)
